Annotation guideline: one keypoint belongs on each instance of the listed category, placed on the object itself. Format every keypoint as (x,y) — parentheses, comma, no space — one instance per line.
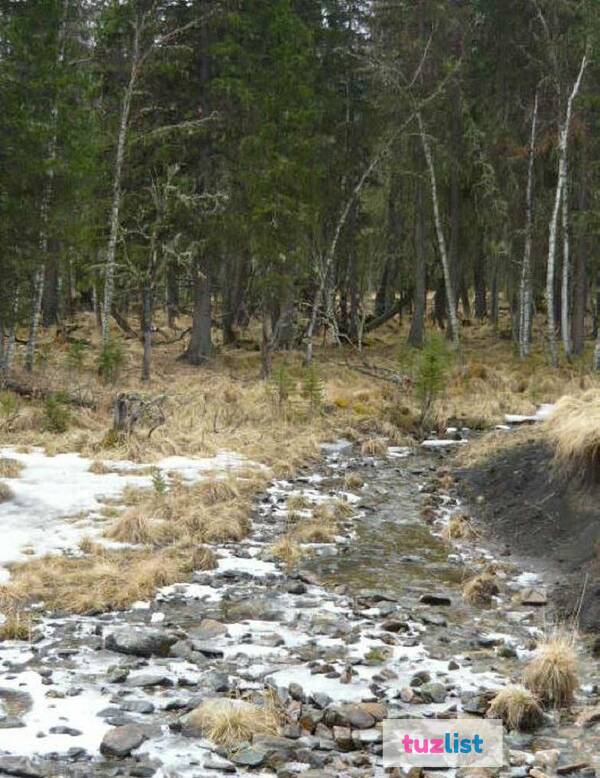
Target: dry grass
(217,490)
(353,481)
(552,673)
(287,551)
(480,590)
(232,722)
(315,532)
(374,447)
(17,625)
(106,580)
(6,492)
(10,468)
(517,707)
(134,527)
(298,502)
(574,431)
(459,527)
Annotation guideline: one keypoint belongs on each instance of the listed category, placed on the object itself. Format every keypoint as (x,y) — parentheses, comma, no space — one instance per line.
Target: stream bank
(370,627)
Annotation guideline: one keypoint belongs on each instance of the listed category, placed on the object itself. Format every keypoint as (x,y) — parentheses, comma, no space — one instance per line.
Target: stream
(371,627)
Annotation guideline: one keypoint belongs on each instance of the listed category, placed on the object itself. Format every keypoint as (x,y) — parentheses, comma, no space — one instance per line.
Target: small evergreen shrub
(431,376)
(280,387)
(57,416)
(111,361)
(76,356)
(312,389)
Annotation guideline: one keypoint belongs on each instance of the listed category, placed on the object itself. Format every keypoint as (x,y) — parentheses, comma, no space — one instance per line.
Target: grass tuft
(287,551)
(459,527)
(552,673)
(480,590)
(574,431)
(232,722)
(353,481)
(374,447)
(518,708)
(10,468)
(6,492)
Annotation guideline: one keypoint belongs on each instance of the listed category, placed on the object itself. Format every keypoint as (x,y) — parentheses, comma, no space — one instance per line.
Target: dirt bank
(552,524)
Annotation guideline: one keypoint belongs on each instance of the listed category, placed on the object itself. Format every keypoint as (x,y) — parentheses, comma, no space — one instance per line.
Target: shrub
(10,468)
(9,410)
(231,722)
(480,590)
(111,361)
(159,482)
(76,356)
(312,389)
(431,376)
(57,416)
(281,387)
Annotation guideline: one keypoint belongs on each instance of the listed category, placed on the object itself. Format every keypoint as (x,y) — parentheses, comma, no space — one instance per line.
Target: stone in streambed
(140,641)
(121,741)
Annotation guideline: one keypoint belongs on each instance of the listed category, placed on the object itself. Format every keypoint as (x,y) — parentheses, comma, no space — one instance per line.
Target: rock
(61,729)
(547,758)
(11,722)
(435,599)
(476,703)
(249,757)
(537,773)
(117,674)
(22,767)
(121,741)
(535,596)
(356,716)
(146,680)
(140,641)
(214,762)
(271,744)
(474,772)
(320,699)
(217,681)
(296,692)
(137,706)
(208,649)
(432,692)
(208,629)
(343,738)
(589,717)
(420,678)
(296,587)
(395,625)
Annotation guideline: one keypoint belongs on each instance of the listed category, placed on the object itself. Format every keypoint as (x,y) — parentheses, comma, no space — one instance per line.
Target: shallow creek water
(324,628)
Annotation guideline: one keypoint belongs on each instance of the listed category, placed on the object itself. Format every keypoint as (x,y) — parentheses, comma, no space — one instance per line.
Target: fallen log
(32,392)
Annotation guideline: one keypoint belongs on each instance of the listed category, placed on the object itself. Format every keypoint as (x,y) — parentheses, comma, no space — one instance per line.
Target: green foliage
(280,387)
(312,388)
(111,361)
(76,356)
(431,375)
(57,416)
(159,482)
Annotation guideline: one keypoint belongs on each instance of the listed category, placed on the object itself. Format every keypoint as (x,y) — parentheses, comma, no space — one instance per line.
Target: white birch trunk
(452,315)
(525,301)
(109,278)
(563,145)
(9,347)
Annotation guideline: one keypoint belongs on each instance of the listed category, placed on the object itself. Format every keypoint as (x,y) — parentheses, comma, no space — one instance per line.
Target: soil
(549,522)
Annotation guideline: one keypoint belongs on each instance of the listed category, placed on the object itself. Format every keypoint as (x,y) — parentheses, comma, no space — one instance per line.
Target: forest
(309,166)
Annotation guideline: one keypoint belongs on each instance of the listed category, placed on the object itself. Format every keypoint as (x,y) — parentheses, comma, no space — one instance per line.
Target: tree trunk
(172,297)
(566,270)
(525,297)
(416,334)
(50,301)
(111,251)
(580,260)
(479,282)
(147,329)
(454,255)
(452,315)
(563,145)
(200,347)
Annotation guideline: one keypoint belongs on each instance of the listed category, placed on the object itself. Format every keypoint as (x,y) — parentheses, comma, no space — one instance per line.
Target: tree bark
(563,144)
(111,251)
(525,297)
(200,347)
(450,299)
(147,329)
(416,335)
(582,249)
(479,281)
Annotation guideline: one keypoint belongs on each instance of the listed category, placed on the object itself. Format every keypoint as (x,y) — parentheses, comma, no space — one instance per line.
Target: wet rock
(22,767)
(209,649)
(476,703)
(435,599)
(208,629)
(343,738)
(61,729)
(395,625)
(140,641)
(296,587)
(320,699)
(250,757)
(419,678)
(356,716)
(11,722)
(589,717)
(216,681)
(121,741)
(214,762)
(548,759)
(117,674)
(146,680)
(183,649)
(535,596)
(296,692)
(573,767)
(138,706)
(275,744)
(432,692)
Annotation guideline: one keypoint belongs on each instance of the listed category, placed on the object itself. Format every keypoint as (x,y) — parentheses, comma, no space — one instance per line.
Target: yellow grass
(6,492)
(314,532)
(552,675)
(10,468)
(17,625)
(353,481)
(517,707)
(459,527)
(574,431)
(104,580)
(480,589)
(232,722)
(287,551)
(374,447)
(298,502)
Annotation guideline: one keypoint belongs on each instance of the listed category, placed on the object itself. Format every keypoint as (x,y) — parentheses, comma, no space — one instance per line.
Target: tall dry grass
(574,431)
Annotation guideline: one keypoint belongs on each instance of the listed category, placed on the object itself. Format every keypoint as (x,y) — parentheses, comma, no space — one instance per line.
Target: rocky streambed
(371,627)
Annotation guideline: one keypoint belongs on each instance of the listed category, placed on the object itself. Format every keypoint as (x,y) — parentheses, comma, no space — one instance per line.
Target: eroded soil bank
(545,522)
